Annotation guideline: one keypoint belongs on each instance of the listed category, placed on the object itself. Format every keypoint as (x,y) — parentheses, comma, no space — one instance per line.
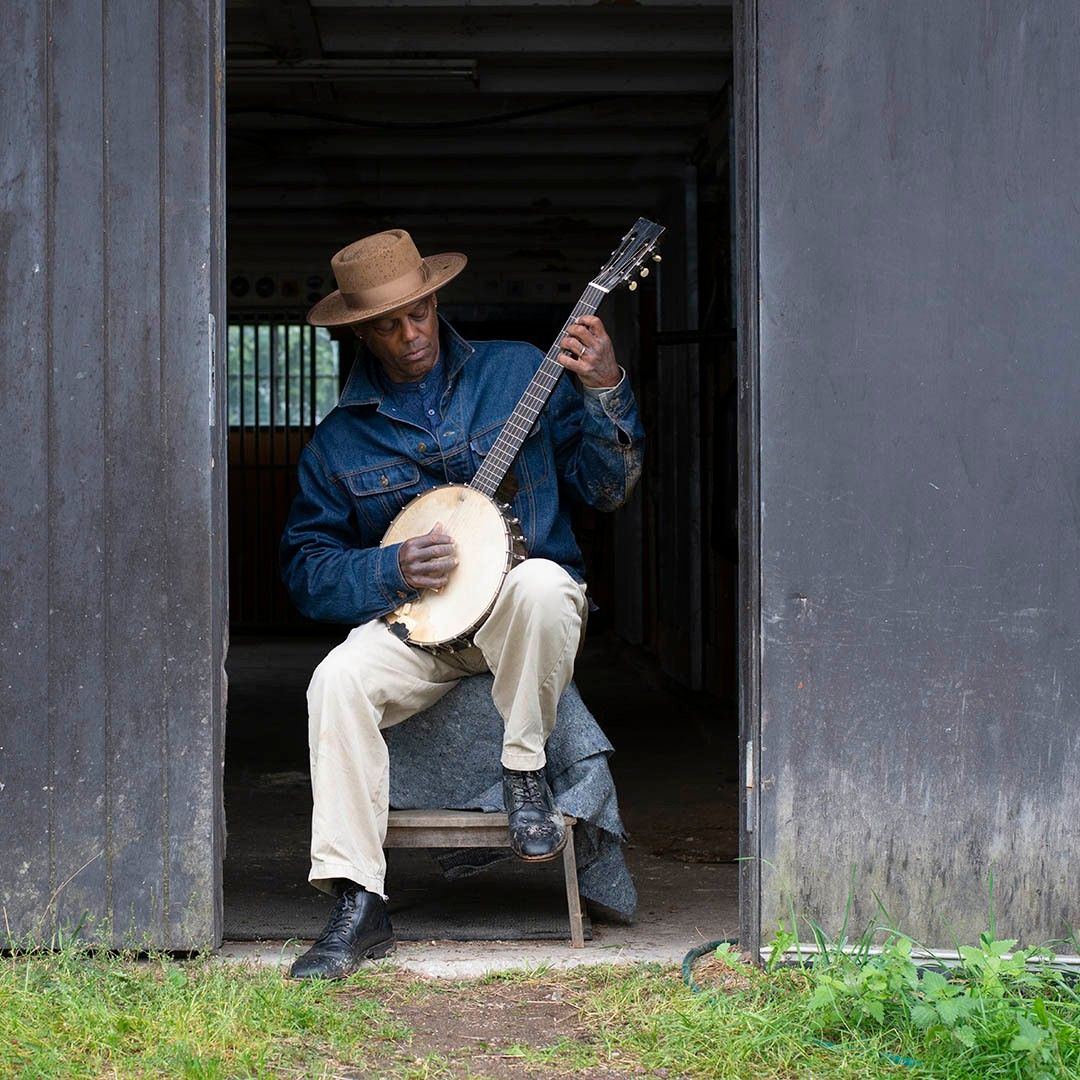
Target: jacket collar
(363,387)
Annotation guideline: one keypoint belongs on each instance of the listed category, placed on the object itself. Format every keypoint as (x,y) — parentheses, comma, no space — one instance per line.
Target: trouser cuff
(521,761)
(324,874)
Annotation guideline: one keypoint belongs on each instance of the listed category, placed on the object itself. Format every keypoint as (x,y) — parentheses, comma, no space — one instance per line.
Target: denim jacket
(364,463)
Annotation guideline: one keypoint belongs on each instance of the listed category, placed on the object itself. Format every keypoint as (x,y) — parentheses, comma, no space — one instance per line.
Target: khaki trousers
(373,680)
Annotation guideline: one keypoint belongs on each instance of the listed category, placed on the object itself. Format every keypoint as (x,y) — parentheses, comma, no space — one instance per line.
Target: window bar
(271,418)
(287,330)
(257,471)
(277,331)
(301,337)
(314,348)
(240,381)
(237,444)
(302,365)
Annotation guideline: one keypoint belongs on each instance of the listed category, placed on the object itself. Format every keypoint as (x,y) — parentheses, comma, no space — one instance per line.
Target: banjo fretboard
(505,449)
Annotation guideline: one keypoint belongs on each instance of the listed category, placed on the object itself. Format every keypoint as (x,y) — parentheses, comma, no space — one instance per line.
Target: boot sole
(372,952)
(544,858)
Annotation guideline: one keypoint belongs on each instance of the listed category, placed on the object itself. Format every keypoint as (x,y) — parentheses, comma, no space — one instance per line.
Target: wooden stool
(475,828)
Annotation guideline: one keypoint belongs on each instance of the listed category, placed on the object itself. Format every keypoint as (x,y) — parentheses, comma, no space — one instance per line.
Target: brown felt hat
(380,273)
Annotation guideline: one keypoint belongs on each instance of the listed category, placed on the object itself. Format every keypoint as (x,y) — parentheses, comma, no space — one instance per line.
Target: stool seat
(478,828)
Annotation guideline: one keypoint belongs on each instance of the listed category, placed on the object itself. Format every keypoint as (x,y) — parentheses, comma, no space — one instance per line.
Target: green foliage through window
(281,374)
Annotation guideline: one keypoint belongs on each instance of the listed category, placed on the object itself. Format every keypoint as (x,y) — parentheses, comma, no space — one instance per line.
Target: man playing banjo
(421,408)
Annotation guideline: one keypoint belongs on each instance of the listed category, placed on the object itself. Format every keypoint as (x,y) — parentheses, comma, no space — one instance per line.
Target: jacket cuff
(615,401)
(392,584)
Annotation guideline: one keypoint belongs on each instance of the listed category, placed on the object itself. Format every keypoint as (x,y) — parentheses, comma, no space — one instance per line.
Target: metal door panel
(112,620)
(919,332)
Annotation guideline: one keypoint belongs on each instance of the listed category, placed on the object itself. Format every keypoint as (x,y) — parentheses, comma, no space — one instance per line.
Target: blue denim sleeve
(332,572)
(599,442)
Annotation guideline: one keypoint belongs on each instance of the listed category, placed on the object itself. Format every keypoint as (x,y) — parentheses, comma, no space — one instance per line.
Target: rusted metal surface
(919,392)
(111,604)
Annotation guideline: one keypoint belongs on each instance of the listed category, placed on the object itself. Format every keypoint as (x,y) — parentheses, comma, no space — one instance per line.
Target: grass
(74,1014)
(853,1014)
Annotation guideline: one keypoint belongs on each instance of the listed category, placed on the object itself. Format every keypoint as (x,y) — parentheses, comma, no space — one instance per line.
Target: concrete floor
(675,771)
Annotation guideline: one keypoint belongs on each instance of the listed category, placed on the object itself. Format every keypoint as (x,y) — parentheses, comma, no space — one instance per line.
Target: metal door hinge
(750,785)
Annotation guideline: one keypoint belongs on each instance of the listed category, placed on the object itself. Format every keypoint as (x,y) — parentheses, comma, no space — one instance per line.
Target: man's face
(405,341)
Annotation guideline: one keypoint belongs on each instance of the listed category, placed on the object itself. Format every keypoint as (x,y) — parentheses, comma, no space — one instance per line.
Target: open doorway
(529,139)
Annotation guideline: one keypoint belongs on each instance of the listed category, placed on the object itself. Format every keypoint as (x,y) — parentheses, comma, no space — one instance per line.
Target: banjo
(488,540)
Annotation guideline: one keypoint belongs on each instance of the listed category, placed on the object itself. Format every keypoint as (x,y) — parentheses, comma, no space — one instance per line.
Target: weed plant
(996,1011)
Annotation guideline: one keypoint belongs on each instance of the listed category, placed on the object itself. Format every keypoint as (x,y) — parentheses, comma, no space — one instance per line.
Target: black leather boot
(359,929)
(537,829)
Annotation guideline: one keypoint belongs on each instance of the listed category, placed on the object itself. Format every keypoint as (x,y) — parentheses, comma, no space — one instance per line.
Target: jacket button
(384,480)
(422,447)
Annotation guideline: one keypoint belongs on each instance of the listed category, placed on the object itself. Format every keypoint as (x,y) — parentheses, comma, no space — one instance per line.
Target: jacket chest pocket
(382,490)
(530,467)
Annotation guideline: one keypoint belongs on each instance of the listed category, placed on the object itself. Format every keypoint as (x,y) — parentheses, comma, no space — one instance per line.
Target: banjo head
(485,552)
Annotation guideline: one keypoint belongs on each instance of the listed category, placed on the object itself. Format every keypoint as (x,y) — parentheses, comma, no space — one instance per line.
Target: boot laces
(528,789)
(341,917)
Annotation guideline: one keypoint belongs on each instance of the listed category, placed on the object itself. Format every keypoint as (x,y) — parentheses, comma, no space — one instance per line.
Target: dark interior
(530,138)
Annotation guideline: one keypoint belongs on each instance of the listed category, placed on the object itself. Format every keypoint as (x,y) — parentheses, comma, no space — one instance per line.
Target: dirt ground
(530,1030)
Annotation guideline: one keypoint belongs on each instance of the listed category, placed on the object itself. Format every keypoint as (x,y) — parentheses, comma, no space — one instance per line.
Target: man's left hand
(587,352)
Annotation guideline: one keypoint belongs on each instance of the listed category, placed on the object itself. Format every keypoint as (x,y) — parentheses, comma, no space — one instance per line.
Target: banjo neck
(516,430)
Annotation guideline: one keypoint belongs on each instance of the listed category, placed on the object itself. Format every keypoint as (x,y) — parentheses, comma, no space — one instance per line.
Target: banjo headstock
(636,249)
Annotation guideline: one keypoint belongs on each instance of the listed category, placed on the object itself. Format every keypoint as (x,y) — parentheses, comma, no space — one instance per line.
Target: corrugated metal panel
(111,632)
(919,447)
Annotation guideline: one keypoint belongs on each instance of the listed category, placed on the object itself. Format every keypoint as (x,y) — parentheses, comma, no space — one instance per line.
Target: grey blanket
(448,757)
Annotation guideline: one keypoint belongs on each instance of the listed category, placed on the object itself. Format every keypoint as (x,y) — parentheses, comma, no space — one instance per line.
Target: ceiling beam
(252,107)
(551,196)
(292,34)
(585,166)
(292,28)
(568,7)
(528,225)
(608,30)
(559,76)
(608,145)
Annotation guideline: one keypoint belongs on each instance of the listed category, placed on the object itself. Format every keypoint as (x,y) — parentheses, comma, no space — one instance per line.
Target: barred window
(281,374)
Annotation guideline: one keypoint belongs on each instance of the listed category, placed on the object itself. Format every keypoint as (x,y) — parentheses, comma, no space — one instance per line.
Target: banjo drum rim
(514,553)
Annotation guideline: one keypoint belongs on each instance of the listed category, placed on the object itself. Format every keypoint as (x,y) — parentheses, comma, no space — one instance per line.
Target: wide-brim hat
(380,273)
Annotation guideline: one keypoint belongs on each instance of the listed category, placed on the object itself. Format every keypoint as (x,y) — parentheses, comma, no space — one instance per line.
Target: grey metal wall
(111,570)
(918,226)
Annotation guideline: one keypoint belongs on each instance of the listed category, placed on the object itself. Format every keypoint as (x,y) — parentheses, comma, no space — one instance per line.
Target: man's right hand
(426,561)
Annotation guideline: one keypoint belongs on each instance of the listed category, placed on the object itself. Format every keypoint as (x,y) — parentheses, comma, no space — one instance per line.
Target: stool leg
(573,897)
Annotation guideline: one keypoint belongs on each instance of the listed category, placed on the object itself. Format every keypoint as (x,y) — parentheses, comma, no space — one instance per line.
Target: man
(421,408)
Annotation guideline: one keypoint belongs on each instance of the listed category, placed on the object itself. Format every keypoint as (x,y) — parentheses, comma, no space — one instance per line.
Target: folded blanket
(447,757)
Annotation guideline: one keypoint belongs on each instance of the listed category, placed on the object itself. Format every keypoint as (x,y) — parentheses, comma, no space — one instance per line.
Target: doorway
(530,139)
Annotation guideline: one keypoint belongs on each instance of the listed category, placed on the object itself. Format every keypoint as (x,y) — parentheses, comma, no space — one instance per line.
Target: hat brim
(332,310)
